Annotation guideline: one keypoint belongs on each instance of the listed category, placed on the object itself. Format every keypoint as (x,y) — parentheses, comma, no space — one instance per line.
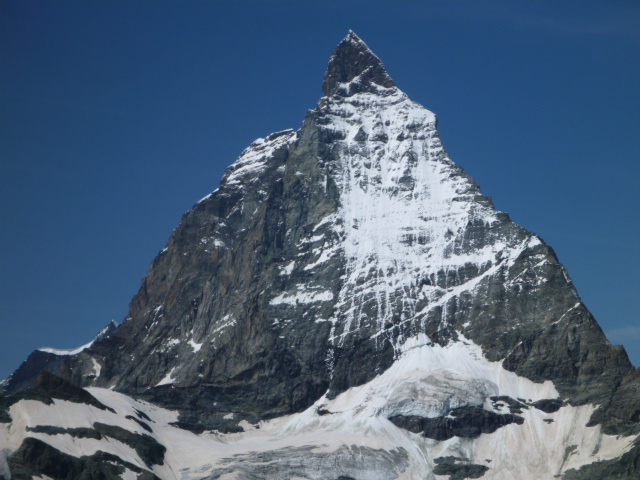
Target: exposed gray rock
(74,432)
(53,361)
(349,462)
(351,61)
(458,469)
(49,387)
(147,447)
(464,422)
(623,468)
(35,457)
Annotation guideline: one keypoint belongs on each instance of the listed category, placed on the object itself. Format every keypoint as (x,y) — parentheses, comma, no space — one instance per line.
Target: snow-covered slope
(405,209)
(353,435)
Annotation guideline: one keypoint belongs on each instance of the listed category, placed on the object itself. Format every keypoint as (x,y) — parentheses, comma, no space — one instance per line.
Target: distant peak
(352,37)
(353,60)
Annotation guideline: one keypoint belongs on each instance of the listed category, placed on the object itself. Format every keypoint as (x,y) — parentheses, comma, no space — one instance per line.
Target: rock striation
(347,304)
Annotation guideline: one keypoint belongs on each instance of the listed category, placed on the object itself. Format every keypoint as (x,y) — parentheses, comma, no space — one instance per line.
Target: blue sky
(116,117)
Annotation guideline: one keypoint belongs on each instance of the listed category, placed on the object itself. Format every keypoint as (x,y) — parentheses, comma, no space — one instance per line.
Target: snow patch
(74,351)
(287,269)
(196,346)
(97,368)
(302,296)
(168,379)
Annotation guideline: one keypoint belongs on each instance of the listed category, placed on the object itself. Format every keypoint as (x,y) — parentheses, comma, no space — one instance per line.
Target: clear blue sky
(116,117)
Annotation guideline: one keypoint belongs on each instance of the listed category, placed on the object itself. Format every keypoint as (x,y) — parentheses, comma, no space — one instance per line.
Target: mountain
(51,360)
(346,305)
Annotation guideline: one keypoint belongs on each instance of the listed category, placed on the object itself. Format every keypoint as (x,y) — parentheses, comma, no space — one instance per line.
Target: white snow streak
(404,206)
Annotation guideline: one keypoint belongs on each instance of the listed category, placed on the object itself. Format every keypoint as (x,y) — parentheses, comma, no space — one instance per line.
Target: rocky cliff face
(348,304)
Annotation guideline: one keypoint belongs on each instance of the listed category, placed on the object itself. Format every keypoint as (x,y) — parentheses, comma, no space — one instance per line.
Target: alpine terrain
(346,305)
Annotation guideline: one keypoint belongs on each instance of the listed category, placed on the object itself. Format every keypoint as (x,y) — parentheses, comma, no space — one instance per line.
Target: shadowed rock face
(457,469)
(48,388)
(147,448)
(353,60)
(320,254)
(56,362)
(464,422)
(36,457)
(624,468)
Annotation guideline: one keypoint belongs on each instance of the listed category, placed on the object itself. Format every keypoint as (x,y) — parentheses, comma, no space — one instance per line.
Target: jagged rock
(49,387)
(147,447)
(623,468)
(463,422)
(458,469)
(35,457)
(550,405)
(514,405)
(73,432)
(56,362)
(354,68)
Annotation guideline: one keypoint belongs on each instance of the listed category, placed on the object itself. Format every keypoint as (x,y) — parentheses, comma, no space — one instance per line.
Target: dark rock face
(26,375)
(49,387)
(547,405)
(57,362)
(244,360)
(464,422)
(147,447)
(551,405)
(353,60)
(57,387)
(140,422)
(515,406)
(624,468)
(35,457)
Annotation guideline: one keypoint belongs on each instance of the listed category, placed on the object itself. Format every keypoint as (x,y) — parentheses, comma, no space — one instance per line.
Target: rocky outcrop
(463,422)
(354,68)
(57,362)
(36,457)
(458,469)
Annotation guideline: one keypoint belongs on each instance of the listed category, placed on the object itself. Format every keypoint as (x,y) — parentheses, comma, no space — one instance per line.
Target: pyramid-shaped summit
(347,304)
(354,60)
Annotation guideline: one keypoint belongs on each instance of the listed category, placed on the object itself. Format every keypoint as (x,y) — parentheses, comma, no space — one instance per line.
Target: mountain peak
(353,68)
